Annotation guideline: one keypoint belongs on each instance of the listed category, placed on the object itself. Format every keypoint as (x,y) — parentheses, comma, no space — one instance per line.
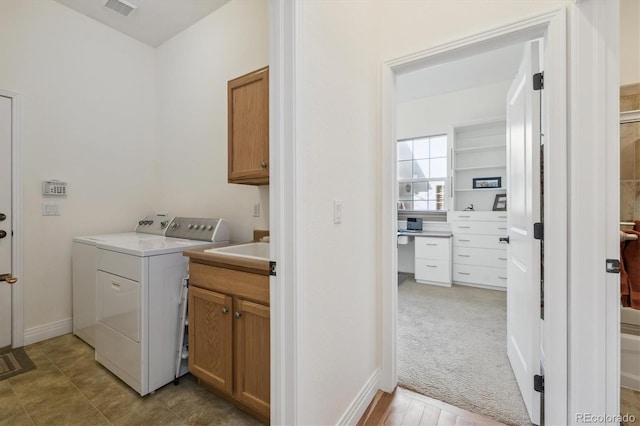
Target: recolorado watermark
(604,418)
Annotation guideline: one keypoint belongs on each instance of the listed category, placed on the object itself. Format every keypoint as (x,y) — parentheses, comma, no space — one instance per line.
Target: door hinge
(272,268)
(613,266)
(538,383)
(538,231)
(538,81)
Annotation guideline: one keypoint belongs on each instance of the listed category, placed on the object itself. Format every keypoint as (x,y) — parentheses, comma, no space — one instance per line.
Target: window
(422,173)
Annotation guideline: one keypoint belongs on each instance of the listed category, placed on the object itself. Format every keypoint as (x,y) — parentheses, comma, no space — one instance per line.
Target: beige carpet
(14,362)
(452,347)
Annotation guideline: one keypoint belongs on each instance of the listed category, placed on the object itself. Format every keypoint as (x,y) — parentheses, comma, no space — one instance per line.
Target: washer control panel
(203,229)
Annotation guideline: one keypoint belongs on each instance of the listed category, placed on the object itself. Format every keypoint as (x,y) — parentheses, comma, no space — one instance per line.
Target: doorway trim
(17,292)
(553,27)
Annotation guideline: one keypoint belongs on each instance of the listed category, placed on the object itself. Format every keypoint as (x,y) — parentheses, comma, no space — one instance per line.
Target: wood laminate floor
(404,407)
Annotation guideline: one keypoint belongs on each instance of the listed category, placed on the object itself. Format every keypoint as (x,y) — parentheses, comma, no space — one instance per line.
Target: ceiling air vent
(123,7)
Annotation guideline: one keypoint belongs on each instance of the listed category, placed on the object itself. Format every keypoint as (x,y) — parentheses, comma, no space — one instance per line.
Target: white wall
(340,51)
(88,117)
(192,73)
(434,115)
(629,42)
(112,116)
(338,148)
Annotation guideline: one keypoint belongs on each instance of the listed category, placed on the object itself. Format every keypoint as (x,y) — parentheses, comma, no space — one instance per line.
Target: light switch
(337,211)
(50,209)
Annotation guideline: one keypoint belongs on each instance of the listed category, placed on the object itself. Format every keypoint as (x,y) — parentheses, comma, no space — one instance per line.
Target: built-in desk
(432,256)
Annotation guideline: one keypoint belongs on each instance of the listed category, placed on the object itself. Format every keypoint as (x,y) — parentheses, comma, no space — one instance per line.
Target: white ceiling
(154,21)
(479,70)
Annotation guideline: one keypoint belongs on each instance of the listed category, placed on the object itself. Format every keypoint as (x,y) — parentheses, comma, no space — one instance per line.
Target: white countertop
(435,234)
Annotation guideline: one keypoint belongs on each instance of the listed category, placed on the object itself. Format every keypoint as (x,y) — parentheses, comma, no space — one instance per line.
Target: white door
(523,253)
(5,220)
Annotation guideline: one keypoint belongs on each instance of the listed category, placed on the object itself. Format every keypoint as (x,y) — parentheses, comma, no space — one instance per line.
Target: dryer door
(119,304)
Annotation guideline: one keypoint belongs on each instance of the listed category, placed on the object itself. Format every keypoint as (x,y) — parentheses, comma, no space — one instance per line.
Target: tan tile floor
(69,388)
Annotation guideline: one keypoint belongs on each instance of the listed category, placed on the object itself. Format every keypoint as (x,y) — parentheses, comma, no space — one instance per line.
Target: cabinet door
(210,338)
(252,355)
(248,132)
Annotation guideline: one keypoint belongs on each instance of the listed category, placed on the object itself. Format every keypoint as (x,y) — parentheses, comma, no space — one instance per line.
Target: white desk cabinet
(433,260)
(479,259)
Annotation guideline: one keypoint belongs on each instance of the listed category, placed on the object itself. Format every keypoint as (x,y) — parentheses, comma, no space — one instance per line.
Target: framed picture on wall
(487,182)
(500,203)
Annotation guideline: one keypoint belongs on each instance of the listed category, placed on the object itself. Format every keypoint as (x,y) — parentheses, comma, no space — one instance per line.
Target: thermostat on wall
(54,187)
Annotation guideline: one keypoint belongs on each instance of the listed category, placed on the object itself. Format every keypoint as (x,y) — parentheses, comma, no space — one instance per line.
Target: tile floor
(69,388)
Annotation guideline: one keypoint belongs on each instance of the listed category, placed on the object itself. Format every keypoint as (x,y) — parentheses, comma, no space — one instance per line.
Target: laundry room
(130,129)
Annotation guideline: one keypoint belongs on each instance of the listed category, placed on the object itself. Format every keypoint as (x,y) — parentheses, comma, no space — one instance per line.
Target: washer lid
(113,238)
(153,247)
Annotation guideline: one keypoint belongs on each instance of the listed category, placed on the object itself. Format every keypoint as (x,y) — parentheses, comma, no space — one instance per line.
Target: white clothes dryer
(139,286)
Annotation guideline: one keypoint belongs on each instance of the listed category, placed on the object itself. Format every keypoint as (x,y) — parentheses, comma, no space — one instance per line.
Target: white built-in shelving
(478,151)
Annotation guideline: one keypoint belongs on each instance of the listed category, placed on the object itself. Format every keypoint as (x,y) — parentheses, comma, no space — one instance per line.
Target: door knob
(263,165)
(238,314)
(504,239)
(8,278)
(2,217)
(3,233)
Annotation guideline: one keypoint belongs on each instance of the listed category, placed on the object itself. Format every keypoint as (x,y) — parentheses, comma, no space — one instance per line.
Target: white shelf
(495,166)
(480,148)
(480,189)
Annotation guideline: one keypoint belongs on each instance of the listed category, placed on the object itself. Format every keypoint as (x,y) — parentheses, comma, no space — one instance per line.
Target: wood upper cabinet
(248,110)
(229,334)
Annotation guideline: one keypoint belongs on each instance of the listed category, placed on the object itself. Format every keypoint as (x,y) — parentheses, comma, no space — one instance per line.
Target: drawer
(483,228)
(480,256)
(433,270)
(231,282)
(496,277)
(478,216)
(121,264)
(432,248)
(478,241)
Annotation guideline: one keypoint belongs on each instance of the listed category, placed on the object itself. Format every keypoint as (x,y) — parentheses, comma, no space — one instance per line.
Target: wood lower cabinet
(211,338)
(229,334)
(252,355)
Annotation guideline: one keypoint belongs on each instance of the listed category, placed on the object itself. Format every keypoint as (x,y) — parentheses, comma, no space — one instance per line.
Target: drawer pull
(464,255)
(225,310)
(502,217)
(466,227)
(503,278)
(464,216)
(464,273)
(502,258)
(465,241)
(238,314)
(115,285)
(431,266)
(431,244)
(502,228)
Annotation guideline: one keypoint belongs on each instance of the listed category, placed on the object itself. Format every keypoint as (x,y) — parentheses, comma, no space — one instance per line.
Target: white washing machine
(139,284)
(84,268)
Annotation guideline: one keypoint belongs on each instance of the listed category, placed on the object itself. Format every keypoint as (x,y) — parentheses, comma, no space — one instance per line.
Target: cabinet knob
(225,310)
(238,314)
(263,165)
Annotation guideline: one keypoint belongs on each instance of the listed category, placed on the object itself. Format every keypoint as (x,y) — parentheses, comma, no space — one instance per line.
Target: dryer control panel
(154,224)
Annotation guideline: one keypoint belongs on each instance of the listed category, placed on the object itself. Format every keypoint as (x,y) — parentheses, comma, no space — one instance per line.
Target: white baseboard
(47,331)
(362,400)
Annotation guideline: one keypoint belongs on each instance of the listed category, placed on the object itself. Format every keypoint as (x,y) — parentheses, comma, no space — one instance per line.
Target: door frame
(552,26)
(17,292)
